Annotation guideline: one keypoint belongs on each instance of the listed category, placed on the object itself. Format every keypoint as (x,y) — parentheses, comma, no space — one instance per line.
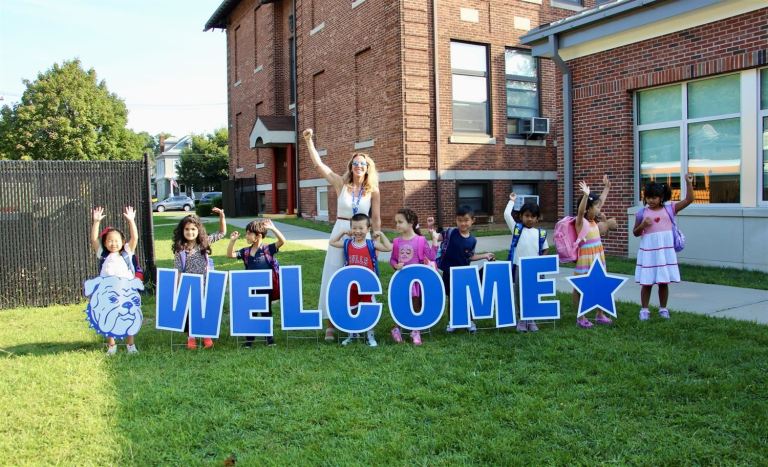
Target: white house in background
(166,162)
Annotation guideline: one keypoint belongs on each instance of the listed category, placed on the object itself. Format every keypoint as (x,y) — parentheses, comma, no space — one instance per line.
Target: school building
(461,102)
(651,90)
(441,93)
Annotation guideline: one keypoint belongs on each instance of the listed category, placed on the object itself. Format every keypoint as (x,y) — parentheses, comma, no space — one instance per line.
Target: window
(476,195)
(322,201)
(469,68)
(522,88)
(526,192)
(693,127)
(764,133)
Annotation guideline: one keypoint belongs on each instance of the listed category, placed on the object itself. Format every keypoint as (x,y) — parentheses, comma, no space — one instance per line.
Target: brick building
(655,89)
(364,73)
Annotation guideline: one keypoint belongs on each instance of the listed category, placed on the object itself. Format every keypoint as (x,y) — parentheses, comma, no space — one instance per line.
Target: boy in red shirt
(360,251)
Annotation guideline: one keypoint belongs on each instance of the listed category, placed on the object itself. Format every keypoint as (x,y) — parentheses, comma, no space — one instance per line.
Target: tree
(66,114)
(204,164)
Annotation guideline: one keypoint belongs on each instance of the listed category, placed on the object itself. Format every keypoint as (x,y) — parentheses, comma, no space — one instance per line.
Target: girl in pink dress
(410,248)
(656,257)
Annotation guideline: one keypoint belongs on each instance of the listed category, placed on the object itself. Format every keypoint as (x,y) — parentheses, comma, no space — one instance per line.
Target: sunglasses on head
(359,164)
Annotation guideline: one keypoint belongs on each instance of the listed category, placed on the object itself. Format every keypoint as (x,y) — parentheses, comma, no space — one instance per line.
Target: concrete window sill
(317,29)
(525,142)
(471,139)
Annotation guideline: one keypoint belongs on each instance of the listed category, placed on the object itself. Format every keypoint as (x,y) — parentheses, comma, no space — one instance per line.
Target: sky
(153,54)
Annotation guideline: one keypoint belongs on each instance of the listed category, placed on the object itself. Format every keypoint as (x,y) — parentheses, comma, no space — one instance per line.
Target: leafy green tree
(204,164)
(67,114)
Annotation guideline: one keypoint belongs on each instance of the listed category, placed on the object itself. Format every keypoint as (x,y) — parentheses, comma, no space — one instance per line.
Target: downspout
(435,83)
(567,127)
(294,71)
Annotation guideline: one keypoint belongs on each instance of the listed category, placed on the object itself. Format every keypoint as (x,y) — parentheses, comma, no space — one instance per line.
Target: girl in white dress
(656,256)
(358,192)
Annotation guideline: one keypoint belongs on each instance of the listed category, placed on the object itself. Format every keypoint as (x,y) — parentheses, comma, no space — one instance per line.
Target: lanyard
(356,204)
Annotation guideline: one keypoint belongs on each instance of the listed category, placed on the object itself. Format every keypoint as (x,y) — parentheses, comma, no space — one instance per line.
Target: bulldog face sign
(114,309)
(470,297)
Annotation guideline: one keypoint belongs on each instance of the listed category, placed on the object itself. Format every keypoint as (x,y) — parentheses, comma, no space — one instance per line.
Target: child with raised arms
(458,245)
(191,253)
(360,251)
(258,255)
(410,248)
(656,256)
(527,240)
(117,257)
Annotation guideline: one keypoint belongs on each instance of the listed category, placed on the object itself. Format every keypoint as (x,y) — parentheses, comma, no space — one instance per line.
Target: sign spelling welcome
(470,297)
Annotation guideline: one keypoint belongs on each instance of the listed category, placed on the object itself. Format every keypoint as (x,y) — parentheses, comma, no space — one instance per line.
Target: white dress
(334,259)
(115,265)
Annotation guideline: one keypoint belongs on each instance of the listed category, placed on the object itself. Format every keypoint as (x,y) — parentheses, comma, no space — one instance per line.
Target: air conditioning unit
(534,126)
(522,199)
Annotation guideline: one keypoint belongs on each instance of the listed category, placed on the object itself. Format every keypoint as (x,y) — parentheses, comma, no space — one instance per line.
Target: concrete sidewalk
(704,299)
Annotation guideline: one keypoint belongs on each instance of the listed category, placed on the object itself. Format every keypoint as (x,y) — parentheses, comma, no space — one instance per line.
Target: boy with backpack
(527,240)
(259,255)
(457,248)
(361,251)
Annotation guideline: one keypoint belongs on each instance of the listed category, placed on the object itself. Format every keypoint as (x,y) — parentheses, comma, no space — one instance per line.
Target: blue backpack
(443,248)
(518,230)
(371,250)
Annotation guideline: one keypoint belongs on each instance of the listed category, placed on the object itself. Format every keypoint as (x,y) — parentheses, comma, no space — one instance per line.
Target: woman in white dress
(358,192)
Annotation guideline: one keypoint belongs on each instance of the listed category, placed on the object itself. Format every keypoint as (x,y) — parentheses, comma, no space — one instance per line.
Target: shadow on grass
(46,348)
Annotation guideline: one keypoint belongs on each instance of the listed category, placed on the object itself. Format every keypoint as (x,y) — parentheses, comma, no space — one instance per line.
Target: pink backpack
(567,241)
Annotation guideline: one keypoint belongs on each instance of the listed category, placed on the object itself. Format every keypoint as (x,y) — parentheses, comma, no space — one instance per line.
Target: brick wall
(603,85)
(349,88)
(366,73)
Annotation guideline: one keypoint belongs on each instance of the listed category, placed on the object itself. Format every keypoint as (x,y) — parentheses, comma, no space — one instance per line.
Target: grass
(687,391)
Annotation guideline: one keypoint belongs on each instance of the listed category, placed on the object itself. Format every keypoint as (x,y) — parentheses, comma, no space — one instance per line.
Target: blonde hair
(371,178)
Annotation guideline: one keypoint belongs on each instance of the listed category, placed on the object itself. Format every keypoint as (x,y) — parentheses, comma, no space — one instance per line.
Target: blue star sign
(597,289)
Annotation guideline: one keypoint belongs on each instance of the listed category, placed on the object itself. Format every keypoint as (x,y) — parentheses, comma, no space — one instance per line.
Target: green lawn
(687,391)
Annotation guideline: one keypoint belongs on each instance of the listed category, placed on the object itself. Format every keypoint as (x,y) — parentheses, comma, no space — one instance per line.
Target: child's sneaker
(664,313)
(329,335)
(270,341)
(604,320)
(449,329)
(397,336)
(584,323)
(191,343)
(111,349)
(521,326)
(472,327)
(416,337)
(645,315)
(207,342)
(349,339)
(371,340)
(131,348)
(532,326)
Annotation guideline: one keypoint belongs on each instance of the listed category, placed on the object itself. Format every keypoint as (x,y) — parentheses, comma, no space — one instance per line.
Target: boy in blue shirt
(460,251)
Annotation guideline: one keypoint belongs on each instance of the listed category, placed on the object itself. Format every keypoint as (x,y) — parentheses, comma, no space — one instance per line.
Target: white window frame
(320,212)
(682,125)
(507,78)
(488,133)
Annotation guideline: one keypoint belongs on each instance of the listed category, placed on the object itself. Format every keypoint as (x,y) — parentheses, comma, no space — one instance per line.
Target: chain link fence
(45,220)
